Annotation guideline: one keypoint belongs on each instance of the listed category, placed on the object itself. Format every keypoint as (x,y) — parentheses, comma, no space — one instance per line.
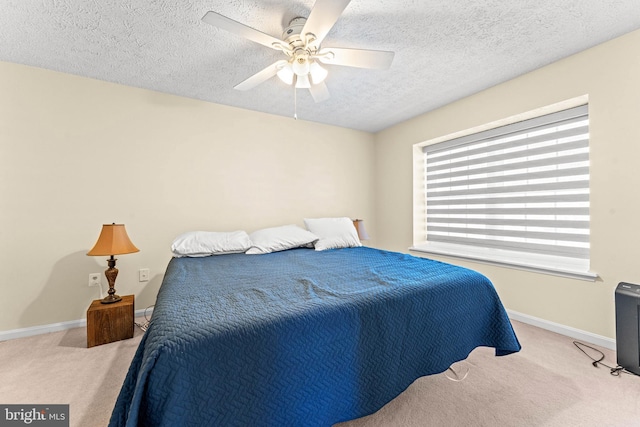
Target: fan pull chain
(295,104)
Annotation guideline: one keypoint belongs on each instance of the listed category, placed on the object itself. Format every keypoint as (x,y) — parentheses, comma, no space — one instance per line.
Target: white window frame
(560,266)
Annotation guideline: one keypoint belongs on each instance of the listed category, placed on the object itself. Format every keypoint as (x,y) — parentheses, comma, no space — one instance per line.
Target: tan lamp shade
(113,240)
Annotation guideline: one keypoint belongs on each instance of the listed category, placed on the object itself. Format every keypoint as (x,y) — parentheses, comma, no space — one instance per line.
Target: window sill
(532,263)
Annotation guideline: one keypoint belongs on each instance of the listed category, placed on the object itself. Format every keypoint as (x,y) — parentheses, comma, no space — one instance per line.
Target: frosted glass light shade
(300,65)
(302,82)
(318,74)
(286,74)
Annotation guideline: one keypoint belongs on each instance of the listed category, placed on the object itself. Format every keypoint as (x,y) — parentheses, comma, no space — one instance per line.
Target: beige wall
(76,153)
(610,75)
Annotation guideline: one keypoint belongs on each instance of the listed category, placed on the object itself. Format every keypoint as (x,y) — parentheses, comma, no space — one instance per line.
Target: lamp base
(110,299)
(111,273)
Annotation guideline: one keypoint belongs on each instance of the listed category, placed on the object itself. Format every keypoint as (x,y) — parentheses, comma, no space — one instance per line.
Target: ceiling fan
(301,43)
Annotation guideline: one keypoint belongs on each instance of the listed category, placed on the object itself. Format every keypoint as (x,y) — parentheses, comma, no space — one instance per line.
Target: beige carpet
(549,383)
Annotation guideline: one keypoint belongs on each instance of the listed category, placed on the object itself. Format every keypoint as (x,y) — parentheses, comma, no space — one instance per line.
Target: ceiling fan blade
(361,58)
(261,76)
(323,16)
(242,30)
(319,92)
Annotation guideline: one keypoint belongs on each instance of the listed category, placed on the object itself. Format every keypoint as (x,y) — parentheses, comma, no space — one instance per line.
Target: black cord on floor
(613,371)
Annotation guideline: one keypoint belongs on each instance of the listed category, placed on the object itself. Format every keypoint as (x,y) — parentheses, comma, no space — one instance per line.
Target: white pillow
(281,238)
(205,243)
(334,233)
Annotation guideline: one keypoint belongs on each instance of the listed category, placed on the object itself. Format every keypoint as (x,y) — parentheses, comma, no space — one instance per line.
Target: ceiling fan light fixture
(286,74)
(301,43)
(300,65)
(302,82)
(318,74)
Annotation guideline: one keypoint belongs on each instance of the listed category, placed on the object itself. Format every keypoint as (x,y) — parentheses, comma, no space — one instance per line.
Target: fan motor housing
(291,34)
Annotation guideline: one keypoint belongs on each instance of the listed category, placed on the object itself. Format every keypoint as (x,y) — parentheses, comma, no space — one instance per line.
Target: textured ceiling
(444,49)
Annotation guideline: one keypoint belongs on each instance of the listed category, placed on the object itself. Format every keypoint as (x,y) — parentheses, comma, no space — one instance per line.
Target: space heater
(628,326)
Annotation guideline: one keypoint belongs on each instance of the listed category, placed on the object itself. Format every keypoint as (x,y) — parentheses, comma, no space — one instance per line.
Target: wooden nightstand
(110,322)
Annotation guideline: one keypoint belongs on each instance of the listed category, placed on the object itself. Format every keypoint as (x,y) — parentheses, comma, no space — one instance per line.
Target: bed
(303,337)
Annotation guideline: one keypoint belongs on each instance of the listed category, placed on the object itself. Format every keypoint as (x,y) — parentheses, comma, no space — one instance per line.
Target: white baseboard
(54,327)
(578,334)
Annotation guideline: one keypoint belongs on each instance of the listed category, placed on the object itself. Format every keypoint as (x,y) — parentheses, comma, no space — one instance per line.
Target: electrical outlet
(94,279)
(143,275)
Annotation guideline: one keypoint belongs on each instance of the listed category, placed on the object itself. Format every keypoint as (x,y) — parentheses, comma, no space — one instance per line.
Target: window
(514,195)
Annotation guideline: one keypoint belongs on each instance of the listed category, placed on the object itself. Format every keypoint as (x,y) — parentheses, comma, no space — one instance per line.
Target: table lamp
(113,240)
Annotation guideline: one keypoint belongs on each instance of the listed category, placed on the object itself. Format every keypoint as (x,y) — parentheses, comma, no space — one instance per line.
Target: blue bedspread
(302,338)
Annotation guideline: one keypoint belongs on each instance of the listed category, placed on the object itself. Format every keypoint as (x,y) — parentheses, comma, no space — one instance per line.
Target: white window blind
(523,187)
